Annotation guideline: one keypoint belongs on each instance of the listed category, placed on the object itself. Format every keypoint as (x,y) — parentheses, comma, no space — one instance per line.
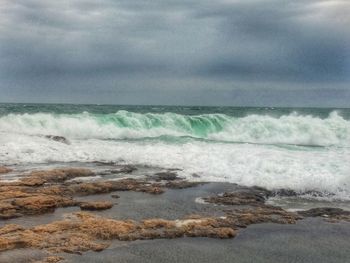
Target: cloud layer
(176,52)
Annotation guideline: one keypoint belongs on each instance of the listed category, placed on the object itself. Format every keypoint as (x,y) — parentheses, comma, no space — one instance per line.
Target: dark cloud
(175,51)
(281,40)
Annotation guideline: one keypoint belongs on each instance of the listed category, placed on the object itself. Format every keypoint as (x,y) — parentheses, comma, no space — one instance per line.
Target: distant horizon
(173,105)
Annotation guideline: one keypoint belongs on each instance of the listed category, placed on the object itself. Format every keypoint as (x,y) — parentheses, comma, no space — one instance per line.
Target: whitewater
(301,150)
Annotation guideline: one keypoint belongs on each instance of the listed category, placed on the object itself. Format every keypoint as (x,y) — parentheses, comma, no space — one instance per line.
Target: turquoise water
(169,123)
(301,149)
(184,110)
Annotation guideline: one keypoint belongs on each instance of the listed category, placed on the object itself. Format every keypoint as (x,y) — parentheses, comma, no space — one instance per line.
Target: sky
(159,52)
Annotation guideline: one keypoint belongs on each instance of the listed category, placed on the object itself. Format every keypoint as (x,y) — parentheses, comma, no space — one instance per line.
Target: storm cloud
(227,52)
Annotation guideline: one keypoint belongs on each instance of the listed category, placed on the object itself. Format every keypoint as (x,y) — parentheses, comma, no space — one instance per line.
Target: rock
(50,259)
(41,203)
(102,205)
(124,169)
(333,214)
(115,196)
(44,191)
(284,193)
(57,138)
(324,211)
(182,184)
(237,198)
(4,170)
(261,214)
(39,178)
(166,176)
(111,186)
(83,231)
(291,193)
(8,211)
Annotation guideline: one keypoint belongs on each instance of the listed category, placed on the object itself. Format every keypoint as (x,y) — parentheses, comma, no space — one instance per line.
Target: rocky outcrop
(181,184)
(166,176)
(44,191)
(50,259)
(102,205)
(4,170)
(119,169)
(332,214)
(238,198)
(110,186)
(262,214)
(58,138)
(84,231)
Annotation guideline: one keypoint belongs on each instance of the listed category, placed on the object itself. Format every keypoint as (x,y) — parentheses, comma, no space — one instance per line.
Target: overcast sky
(197,52)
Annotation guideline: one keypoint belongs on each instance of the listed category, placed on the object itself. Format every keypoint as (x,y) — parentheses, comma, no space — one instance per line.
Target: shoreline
(161,206)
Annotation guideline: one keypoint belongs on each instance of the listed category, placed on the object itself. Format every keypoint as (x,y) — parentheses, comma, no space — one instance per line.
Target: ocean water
(304,149)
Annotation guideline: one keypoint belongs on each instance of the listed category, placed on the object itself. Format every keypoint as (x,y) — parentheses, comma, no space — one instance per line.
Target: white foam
(322,169)
(299,168)
(288,129)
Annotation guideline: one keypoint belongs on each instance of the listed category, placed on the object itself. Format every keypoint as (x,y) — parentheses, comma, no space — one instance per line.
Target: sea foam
(261,159)
(263,129)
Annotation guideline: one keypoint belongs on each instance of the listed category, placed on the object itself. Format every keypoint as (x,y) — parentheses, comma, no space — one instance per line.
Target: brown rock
(237,198)
(44,191)
(83,231)
(50,259)
(261,214)
(4,170)
(111,186)
(157,223)
(8,211)
(59,175)
(96,205)
(41,203)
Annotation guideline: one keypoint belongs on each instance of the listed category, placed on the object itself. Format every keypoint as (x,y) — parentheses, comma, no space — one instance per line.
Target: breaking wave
(125,137)
(262,129)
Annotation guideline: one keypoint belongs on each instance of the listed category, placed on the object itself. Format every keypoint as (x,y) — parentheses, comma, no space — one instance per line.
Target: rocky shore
(218,212)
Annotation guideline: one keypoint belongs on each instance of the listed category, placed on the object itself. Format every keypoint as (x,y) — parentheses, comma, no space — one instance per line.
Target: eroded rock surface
(84,231)
(332,214)
(181,184)
(237,198)
(166,176)
(44,191)
(119,169)
(102,205)
(4,170)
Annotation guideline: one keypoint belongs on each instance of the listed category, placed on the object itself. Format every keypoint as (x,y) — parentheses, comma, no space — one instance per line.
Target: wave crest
(263,129)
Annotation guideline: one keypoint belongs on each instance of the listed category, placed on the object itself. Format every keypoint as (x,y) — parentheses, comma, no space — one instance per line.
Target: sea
(306,150)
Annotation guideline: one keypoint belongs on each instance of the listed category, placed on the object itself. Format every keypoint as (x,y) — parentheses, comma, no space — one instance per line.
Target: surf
(291,129)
